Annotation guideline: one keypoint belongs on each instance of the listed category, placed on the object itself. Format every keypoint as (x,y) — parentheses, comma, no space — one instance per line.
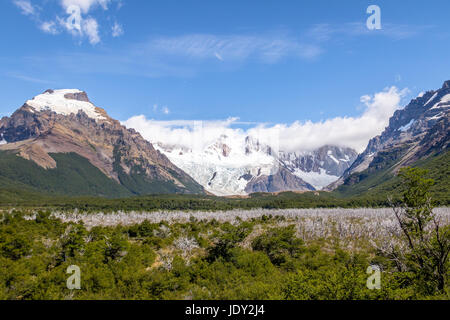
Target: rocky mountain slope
(417,132)
(66,122)
(319,167)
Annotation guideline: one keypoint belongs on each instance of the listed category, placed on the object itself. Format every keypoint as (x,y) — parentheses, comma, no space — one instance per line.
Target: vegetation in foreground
(263,258)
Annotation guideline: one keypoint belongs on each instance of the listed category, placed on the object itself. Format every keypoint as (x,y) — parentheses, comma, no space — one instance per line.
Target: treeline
(287,200)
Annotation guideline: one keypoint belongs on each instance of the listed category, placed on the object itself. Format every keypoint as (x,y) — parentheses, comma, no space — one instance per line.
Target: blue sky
(259,61)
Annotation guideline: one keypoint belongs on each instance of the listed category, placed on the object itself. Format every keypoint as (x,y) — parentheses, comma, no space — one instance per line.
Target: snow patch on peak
(330,154)
(56,101)
(318,180)
(407,126)
(437,116)
(2,141)
(432,98)
(443,102)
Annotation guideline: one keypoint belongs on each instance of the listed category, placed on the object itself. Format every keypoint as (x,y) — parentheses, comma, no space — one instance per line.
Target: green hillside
(379,181)
(137,183)
(74,175)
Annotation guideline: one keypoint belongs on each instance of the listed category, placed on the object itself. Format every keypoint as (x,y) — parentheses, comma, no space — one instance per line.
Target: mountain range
(59,142)
(243,165)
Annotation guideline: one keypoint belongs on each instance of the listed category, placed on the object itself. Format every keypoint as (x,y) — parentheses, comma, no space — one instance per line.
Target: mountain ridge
(416,132)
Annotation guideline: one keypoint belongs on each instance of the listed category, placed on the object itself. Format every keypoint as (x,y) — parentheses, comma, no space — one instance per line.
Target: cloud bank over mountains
(354,132)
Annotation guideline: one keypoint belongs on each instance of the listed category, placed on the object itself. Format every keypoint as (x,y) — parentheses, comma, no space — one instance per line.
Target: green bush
(279,244)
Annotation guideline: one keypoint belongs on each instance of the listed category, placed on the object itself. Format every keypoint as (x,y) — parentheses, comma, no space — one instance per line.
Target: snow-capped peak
(2,140)
(65,102)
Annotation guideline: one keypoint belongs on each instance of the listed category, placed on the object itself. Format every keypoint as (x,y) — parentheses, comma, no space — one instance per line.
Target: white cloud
(76,18)
(85,5)
(165,110)
(49,27)
(183,132)
(26,7)
(90,28)
(117,30)
(78,25)
(354,132)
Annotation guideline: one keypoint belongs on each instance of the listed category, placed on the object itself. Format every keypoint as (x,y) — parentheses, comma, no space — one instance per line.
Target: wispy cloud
(117,30)
(90,28)
(163,109)
(324,32)
(187,55)
(266,48)
(26,7)
(125,62)
(269,47)
(183,56)
(28,79)
(218,56)
(49,27)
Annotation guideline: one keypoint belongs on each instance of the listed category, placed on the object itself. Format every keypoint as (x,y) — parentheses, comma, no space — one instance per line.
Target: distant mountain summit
(61,135)
(415,133)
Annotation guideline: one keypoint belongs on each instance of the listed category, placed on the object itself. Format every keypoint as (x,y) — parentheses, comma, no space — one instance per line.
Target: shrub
(279,244)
